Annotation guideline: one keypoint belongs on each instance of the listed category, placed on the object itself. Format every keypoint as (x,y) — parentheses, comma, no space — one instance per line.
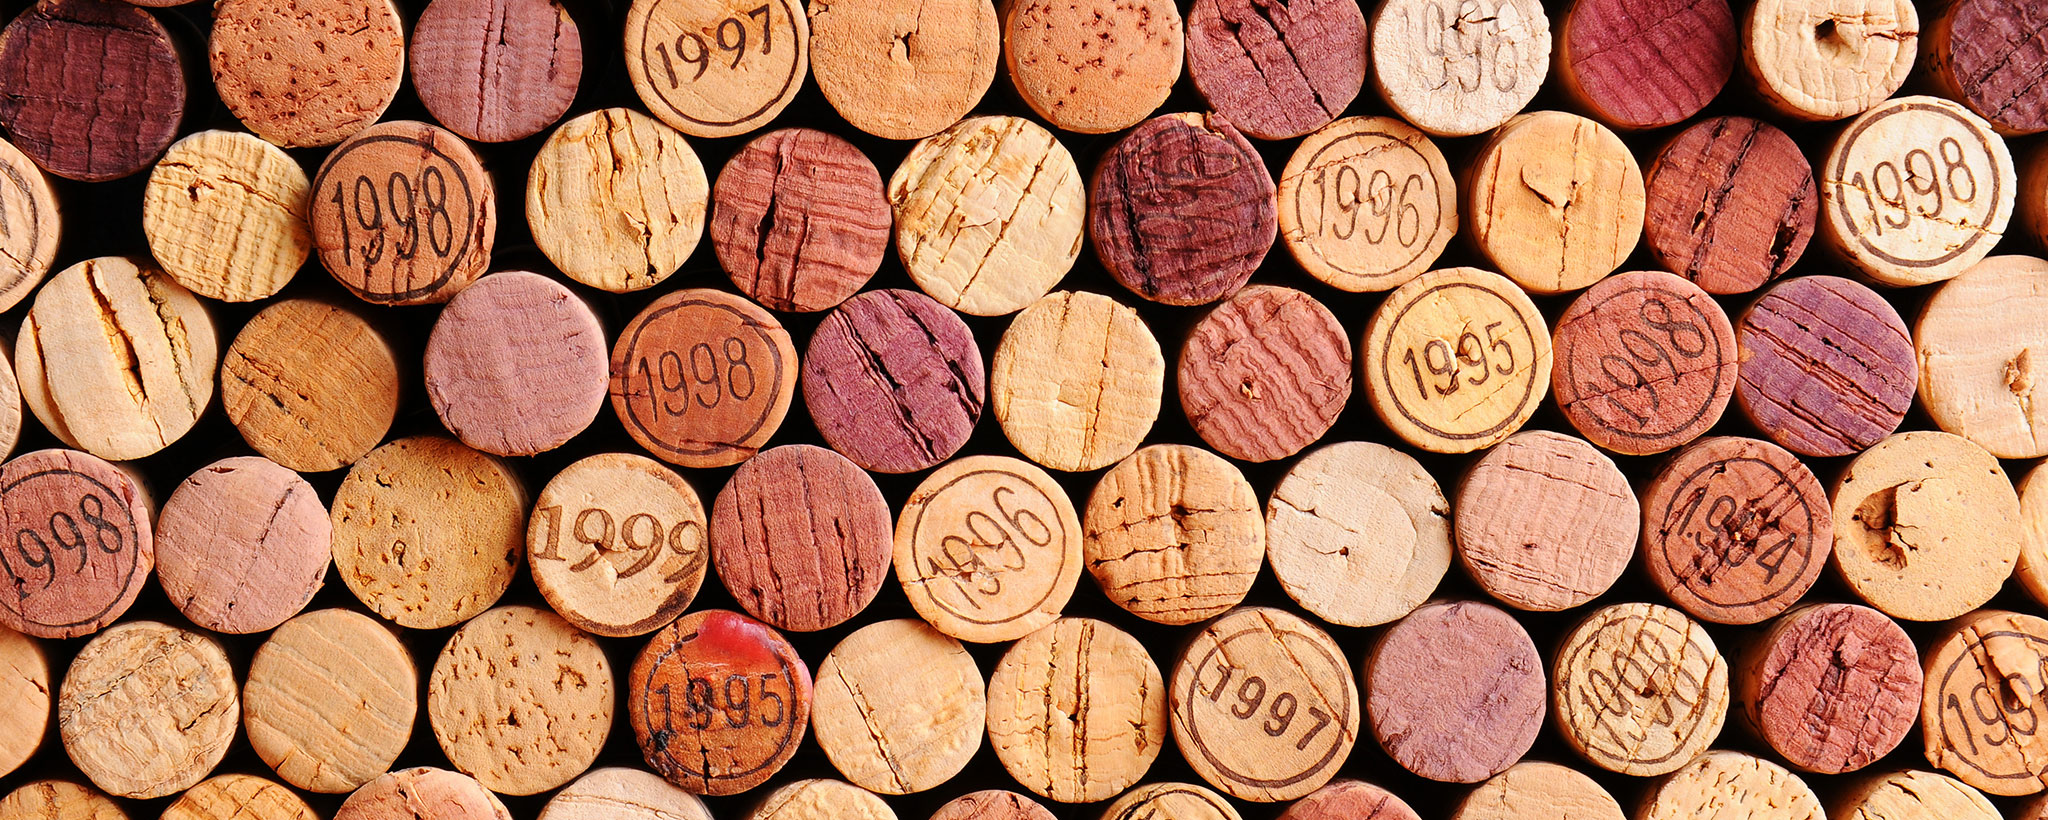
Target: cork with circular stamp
(2032,570)
(1265,373)
(1729,204)
(1555,200)
(1264,705)
(702,378)
(799,219)
(1076,381)
(1911,794)
(1536,790)
(1724,784)
(516,364)
(718,702)
(147,709)
(623,793)
(1555,555)
(1643,362)
(59,800)
(83,545)
(225,214)
(230,796)
(1639,689)
(1832,688)
(617,543)
(1976,346)
(988,548)
(1077,711)
(115,358)
(616,199)
(401,794)
(1455,691)
(1828,59)
(1456,360)
(899,707)
(496,70)
(950,196)
(91,125)
(1278,71)
(1174,534)
(1096,66)
(821,799)
(427,532)
(404,214)
(1828,366)
(992,804)
(868,69)
(1985,679)
(1986,54)
(716,68)
(1181,209)
(310,384)
(894,381)
(307,73)
(242,544)
(1367,203)
(1455,68)
(1927,526)
(1358,533)
(329,700)
(1735,530)
(1171,801)
(801,537)
(1637,65)
(25,689)
(1917,190)
(521,700)
(1350,800)
(32,225)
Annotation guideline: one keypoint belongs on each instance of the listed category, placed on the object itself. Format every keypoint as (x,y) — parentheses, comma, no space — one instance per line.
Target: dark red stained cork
(1643,362)
(1277,69)
(1182,209)
(799,219)
(894,381)
(1827,366)
(1730,204)
(1349,800)
(90,90)
(801,537)
(1455,691)
(1265,373)
(1832,687)
(1998,61)
(1648,63)
(496,70)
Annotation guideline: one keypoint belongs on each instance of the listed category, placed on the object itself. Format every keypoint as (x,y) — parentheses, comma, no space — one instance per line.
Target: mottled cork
(799,219)
(1278,71)
(1831,688)
(1181,209)
(521,700)
(231,796)
(1983,672)
(96,125)
(1911,794)
(1725,785)
(988,548)
(616,199)
(1552,555)
(1828,367)
(1731,204)
(1174,534)
(517,364)
(1093,66)
(1171,801)
(1265,373)
(427,532)
(1455,691)
(677,411)
(330,700)
(724,97)
(1076,381)
(617,543)
(904,70)
(310,384)
(1650,724)
(32,225)
(1456,360)
(1077,711)
(992,804)
(894,381)
(899,707)
(307,73)
(1230,741)
(1349,800)
(496,70)
(404,213)
(1367,203)
(242,544)
(1358,533)
(59,800)
(148,709)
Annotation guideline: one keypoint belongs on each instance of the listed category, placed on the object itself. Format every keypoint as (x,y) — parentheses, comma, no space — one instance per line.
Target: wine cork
(1093,67)
(1367,203)
(1076,381)
(1077,711)
(865,63)
(621,793)
(690,414)
(310,385)
(1927,527)
(894,381)
(1735,530)
(1643,362)
(25,689)
(616,200)
(1832,688)
(1455,691)
(1975,351)
(1174,534)
(432,178)
(819,799)
(516,364)
(55,502)
(1827,366)
(1983,53)
(1534,790)
(1550,556)
(801,538)
(59,800)
(1828,59)
(2032,569)
(407,792)
(242,544)
(899,707)
(225,214)
(1455,69)
(147,709)
(799,219)
(1358,533)
(711,68)
(744,699)
(115,358)
(1277,73)
(1556,201)
(1912,795)
(1984,691)
(1730,204)
(330,699)
(1732,785)
(1350,800)
(231,796)
(1915,191)
(1455,323)
(1171,801)
(1143,217)
(1265,373)
(949,198)
(1636,65)
(992,804)
(427,532)
(1264,658)
(617,544)
(2033,198)
(29,225)
(99,124)
(1639,689)
(988,548)
(520,700)
(307,73)
(10,406)
(496,70)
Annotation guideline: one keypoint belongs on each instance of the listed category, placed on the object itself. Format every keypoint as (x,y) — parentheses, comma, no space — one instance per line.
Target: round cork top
(1554,555)
(516,364)
(617,544)
(242,544)
(1367,203)
(1828,59)
(799,219)
(622,793)
(1358,533)
(230,796)
(801,537)
(1181,210)
(28,212)
(25,691)
(409,792)
(521,700)
(1916,190)
(820,799)
(10,408)
(1724,784)
(1077,711)
(863,55)
(899,707)
(950,194)
(1643,362)
(1456,69)
(1657,716)
(1730,204)
(1735,530)
(1986,53)
(1927,527)
(1556,201)
(225,214)
(1093,66)
(496,70)
(1912,794)
(2033,198)
(427,532)
(1831,688)
(616,199)
(746,698)
(1434,345)
(58,596)
(1265,373)
(711,68)
(147,709)
(404,214)
(330,700)
(310,384)
(988,548)
(90,125)
(992,804)
(1827,366)
(1349,800)
(1280,71)
(307,73)
(115,358)
(1262,658)
(686,412)
(1174,534)
(1076,381)
(1984,682)
(1976,355)
(2032,570)
(1455,691)
(59,800)
(1635,64)
(894,381)
(1171,801)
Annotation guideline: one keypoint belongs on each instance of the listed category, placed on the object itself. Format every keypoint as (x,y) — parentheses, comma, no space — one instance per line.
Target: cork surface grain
(225,214)
(695,416)
(820,799)
(1277,69)
(1831,687)
(1181,209)
(1975,351)
(97,125)
(1265,373)
(1556,201)
(31,222)
(1093,66)
(1456,360)
(147,709)
(1076,381)
(1456,68)
(25,692)
(1077,711)
(1223,722)
(984,583)
(310,384)
(242,544)
(1908,795)
(750,707)
(231,796)
(1990,55)
(1916,190)
(1984,678)
(904,70)
(1358,533)
(1349,800)
(1561,553)
(1643,362)
(1735,530)
(1646,64)
(618,543)
(59,800)
(521,700)
(801,537)
(1725,785)
(56,599)
(1667,709)
(623,793)
(899,707)
(427,532)
(2032,569)
(329,700)
(1171,801)
(422,791)
(496,70)
(1828,59)
(1927,526)
(10,408)
(307,73)
(1828,366)
(1455,691)
(517,364)
(1731,204)
(721,97)
(1174,534)
(799,219)
(2033,198)
(1408,196)
(894,381)
(404,213)
(992,804)
(616,199)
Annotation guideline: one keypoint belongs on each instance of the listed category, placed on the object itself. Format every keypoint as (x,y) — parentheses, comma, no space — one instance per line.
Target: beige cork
(1639,689)
(992,804)
(29,225)
(521,700)
(1912,795)
(716,68)
(898,707)
(1828,59)
(239,797)
(1264,705)
(242,544)
(1171,801)
(404,213)
(1076,381)
(148,709)
(10,404)
(427,532)
(57,502)
(1358,533)
(988,548)
(1558,553)
(1556,201)
(407,794)
(1456,360)
(59,800)
(616,199)
(903,70)
(1916,190)
(1174,534)
(1724,785)
(1985,676)
(225,214)
(819,799)
(1979,341)
(1367,203)
(307,73)
(310,384)
(1534,790)
(1350,800)
(1458,68)
(616,544)
(330,699)
(1927,526)
(620,793)
(1093,66)
(1077,711)
(2032,569)
(692,414)
(24,699)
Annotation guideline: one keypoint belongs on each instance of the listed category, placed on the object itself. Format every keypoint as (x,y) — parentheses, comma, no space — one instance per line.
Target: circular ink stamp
(1456,360)
(1986,693)
(1367,203)
(1263,705)
(403,213)
(717,68)
(617,544)
(1735,530)
(718,702)
(988,548)
(1917,190)
(1639,689)
(702,378)
(1643,362)
(82,545)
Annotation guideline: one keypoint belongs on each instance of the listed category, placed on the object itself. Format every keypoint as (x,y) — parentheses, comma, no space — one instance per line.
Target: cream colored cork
(521,700)
(1174,534)
(621,793)
(330,699)
(1093,66)
(1367,203)
(1458,67)
(24,699)
(1912,795)
(1927,526)
(1077,711)
(1639,689)
(408,794)
(1916,190)
(716,68)
(225,214)
(310,384)
(2032,569)
(10,404)
(1456,360)
(1984,694)
(1556,201)
(984,583)
(1535,790)
(428,532)
(898,707)
(148,709)
(1828,59)
(307,73)
(903,70)
(989,214)
(616,544)
(59,800)
(1264,705)
(822,800)
(1076,381)
(1358,533)
(1724,785)
(29,225)
(1170,801)
(1981,346)
(616,199)
(239,797)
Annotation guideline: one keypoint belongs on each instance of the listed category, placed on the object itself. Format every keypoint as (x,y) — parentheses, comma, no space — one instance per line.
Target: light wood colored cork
(329,700)
(242,544)
(407,793)
(1076,381)
(820,799)
(10,405)
(1265,373)
(992,804)
(225,214)
(1077,711)
(1984,692)
(1725,785)
(899,707)
(1916,190)
(1093,66)
(1639,689)
(496,70)
(1559,553)
(1367,203)
(1456,360)
(148,709)
(989,214)
(1455,691)
(521,700)
(404,213)
(1264,705)
(1458,68)
(1174,534)
(310,384)
(1911,795)
(25,692)
(621,793)
(1358,533)
(903,70)
(307,73)
(1976,349)
(1831,688)
(1828,59)
(1643,362)
(517,364)
(1556,201)
(692,414)
(1171,801)
(716,68)
(1735,530)
(30,225)
(1927,526)
(616,199)
(1350,800)
(617,544)
(718,702)
(988,548)
(2032,569)
(427,532)
(59,800)
(233,796)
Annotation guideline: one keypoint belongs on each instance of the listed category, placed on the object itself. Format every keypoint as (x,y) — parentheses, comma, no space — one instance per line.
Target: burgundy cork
(1735,530)
(1567,544)
(1643,362)
(1350,800)
(1731,204)
(799,219)
(1827,366)
(1277,69)
(1265,373)
(1455,691)
(90,90)
(801,537)
(1646,63)
(82,545)
(718,702)
(496,70)
(1181,209)
(894,381)
(1832,688)
(242,545)
(993,804)
(409,794)
(517,364)
(1990,55)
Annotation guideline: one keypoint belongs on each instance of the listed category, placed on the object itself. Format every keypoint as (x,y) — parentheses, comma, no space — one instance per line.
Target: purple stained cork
(894,381)
(1827,366)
